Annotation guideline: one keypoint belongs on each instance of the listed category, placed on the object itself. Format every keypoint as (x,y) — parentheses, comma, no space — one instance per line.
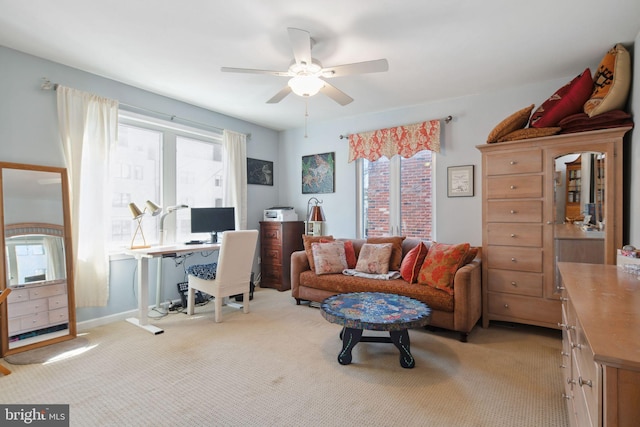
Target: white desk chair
(233,273)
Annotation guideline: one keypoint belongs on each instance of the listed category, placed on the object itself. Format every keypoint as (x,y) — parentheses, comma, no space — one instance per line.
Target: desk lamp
(137,216)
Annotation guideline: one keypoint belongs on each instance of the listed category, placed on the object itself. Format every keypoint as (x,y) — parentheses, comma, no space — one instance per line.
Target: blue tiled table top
(375,311)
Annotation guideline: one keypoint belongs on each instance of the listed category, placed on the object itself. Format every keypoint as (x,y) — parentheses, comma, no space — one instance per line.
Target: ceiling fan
(307,76)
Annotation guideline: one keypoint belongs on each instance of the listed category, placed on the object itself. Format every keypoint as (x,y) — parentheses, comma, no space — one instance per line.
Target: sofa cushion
(412,262)
(611,82)
(307,241)
(396,252)
(440,265)
(329,257)
(515,121)
(567,100)
(339,283)
(374,258)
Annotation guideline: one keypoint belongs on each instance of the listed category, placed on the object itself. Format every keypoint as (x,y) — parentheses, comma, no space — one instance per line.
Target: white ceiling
(436,49)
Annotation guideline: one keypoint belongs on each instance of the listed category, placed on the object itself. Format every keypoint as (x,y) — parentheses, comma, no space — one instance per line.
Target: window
(396,196)
(167,164)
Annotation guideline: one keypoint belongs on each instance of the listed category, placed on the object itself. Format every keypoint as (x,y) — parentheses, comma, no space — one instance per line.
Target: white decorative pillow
(374,258)
(329,257)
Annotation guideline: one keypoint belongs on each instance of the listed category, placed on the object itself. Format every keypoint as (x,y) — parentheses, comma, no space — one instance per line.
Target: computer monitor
(212,220)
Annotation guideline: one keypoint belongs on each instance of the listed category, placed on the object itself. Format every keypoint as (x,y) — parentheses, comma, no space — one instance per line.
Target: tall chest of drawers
(513,238)
(277,241)
(519,219)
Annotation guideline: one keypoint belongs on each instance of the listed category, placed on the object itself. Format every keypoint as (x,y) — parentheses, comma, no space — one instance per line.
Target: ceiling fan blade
(336,94)
(376,66)
(253,71)
(301,44)
(280,95)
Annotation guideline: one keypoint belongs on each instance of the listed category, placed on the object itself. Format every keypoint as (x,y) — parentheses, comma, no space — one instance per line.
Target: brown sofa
(458,312)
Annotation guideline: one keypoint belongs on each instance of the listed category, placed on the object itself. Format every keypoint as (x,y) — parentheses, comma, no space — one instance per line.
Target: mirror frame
(66,235)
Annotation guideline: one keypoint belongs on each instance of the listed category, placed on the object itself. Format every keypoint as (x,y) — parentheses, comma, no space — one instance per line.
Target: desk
(143,256)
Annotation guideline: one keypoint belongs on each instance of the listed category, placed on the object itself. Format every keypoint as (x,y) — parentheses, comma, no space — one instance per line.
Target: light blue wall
(456,219)
(29,134)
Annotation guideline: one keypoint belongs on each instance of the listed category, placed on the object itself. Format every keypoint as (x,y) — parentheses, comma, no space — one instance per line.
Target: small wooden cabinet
(600,350)
(277,241)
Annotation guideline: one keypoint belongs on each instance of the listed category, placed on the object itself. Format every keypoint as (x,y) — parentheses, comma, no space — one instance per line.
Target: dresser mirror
(580,226)
(37,265)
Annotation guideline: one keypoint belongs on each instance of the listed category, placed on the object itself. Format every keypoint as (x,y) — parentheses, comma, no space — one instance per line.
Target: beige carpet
(276,366)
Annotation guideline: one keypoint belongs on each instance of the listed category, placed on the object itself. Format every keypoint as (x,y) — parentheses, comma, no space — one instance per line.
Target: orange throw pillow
(412,262)
(440,265)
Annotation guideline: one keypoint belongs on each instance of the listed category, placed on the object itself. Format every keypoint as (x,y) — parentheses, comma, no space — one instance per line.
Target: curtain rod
(47,85)
(445,119)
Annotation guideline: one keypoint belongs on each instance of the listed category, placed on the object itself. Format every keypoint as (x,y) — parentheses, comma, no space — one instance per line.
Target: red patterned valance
(403,140)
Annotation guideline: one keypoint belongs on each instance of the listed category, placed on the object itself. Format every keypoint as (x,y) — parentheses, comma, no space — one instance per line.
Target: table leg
(143,299)
(401,340)
(350,337)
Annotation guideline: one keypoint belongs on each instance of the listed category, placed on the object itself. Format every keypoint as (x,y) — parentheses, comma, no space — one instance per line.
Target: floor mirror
(37,266)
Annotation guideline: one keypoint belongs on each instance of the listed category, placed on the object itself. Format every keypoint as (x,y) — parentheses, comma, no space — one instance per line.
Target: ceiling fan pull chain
(306,116)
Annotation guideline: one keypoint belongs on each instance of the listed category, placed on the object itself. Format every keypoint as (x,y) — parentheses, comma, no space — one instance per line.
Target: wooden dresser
(520,222)
(277,241)
(601,345)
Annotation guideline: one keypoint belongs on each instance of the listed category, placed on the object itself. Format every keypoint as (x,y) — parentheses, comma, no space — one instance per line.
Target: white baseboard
(100,321)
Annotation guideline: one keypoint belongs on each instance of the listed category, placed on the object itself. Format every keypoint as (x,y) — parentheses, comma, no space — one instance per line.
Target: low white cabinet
(37,306)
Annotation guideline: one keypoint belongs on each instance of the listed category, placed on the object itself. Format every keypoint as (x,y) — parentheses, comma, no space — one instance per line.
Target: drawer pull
(513,260)
(564,299)
(513,187)
(514,284)
(564,354)
(562,366)
(567,327)
(582,382)
(513,212)
(512,235)
(512,162)
(561,288)
(571,381)
(566,396)
(506,306)
(576,345)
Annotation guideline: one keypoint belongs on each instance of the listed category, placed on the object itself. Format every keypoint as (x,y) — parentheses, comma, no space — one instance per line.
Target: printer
(280,213)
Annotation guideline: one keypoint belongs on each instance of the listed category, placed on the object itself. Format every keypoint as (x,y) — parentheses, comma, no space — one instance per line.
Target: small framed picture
(259,172)
(460,181)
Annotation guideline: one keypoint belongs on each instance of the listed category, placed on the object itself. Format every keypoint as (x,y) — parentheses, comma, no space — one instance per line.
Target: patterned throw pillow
(440,265)
(515,121)
(412,262)
(349,252)
(203,271)
(396,250)
(611,82)
(567,100)
(307,241)
(374,258)
(328,257)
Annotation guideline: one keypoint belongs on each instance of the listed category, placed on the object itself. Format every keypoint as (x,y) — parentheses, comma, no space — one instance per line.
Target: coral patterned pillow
(374,258)
(440,265)
(412,262)
(328,257)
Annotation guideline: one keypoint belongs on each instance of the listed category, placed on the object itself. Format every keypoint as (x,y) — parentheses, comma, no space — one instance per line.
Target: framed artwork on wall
(460,181)
(318,173)
(259,172)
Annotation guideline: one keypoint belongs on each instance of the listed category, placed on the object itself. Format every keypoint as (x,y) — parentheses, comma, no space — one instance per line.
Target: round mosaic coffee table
(375,311)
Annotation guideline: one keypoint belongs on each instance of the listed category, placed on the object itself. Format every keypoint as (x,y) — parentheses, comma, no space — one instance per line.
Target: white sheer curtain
(235,149)
(88,127)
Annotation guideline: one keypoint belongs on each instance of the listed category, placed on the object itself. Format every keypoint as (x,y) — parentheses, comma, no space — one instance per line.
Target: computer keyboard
(194,242)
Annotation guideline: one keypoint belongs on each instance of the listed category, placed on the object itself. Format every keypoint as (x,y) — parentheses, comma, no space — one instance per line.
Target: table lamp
(315,217)
(137,216)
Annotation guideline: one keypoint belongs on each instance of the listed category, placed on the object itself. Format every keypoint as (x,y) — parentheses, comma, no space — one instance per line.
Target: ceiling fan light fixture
(306,85)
